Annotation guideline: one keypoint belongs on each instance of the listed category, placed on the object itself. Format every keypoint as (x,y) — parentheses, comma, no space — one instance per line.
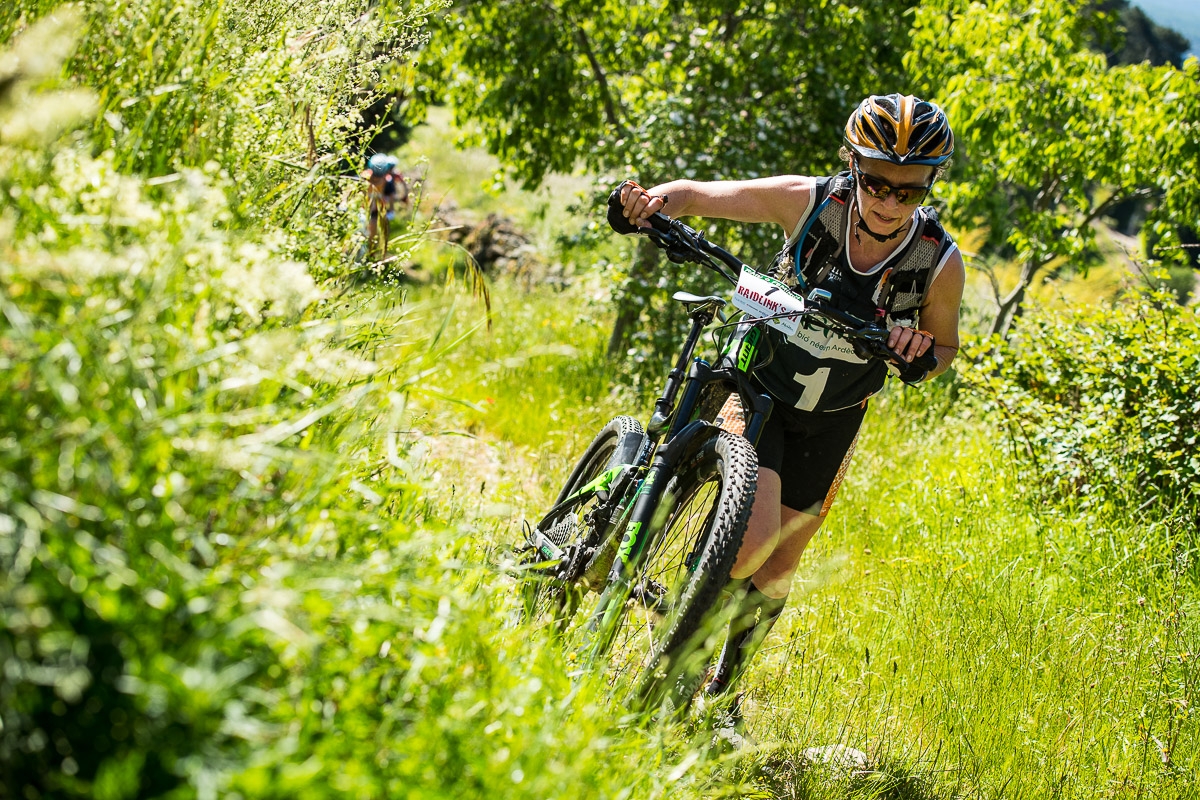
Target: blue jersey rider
(386,188)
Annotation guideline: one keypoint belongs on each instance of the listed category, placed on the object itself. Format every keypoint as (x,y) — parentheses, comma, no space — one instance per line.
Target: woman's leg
(775,538)
(762,531)
(774,575)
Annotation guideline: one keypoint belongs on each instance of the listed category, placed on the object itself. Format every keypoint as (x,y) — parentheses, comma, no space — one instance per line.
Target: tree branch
(1116,197)
(610,109)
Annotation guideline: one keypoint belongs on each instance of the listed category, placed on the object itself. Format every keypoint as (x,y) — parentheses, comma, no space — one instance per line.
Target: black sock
(751,622)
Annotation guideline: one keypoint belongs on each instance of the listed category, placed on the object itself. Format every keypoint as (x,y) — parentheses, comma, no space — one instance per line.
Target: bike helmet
(381,164)
(901,129)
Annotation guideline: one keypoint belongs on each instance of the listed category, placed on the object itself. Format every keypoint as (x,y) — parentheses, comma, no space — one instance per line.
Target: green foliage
(647,88)
(212,580)
(271,98)
(654,91)
(150,385)
(222,566)
(972,633)
(1101,402)
(1050,136)
(234,562)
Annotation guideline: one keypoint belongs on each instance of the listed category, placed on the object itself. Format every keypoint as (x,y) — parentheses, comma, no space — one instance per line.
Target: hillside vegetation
(257,503)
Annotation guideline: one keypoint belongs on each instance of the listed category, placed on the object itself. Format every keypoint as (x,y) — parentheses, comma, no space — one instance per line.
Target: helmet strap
(861,225)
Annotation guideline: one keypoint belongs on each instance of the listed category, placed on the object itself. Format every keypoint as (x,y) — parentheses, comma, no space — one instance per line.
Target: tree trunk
(632,296)
(1011,306)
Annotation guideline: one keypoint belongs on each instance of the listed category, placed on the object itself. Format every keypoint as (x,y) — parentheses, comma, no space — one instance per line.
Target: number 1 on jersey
(814,386)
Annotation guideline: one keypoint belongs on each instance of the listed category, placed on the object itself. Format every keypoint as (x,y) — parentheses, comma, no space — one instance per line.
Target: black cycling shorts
(810,451)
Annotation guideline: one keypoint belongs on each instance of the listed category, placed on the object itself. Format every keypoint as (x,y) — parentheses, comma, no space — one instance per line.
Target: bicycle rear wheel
(670,632)
(583,530)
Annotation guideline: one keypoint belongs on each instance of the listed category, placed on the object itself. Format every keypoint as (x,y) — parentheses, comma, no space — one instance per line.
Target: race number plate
(761,296)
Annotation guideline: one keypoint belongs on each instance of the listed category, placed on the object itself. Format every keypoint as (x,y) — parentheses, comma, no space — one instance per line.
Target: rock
(837,756)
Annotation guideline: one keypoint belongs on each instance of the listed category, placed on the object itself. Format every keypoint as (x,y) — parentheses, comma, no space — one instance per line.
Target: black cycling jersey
(813,370)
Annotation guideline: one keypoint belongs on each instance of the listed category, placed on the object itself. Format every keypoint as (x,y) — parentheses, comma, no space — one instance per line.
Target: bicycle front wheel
(671,629)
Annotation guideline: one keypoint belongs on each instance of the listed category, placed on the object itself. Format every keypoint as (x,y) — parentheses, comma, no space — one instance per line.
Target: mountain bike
(633,556)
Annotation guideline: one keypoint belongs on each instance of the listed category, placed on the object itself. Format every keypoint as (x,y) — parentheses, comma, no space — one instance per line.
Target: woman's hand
(909,343)
(917,349)
(639,204)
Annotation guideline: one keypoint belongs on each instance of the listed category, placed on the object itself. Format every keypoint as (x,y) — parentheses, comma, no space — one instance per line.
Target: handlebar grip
(617,221)
(616,214)
(915,371)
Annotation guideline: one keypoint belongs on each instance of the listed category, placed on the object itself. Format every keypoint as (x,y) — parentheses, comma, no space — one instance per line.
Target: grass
(947,621)
(973,641)
(470,179)
(465,182)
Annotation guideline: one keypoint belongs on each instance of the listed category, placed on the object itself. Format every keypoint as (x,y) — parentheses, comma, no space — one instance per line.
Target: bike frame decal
(627,542)
(748,349)
(603,481)
(647,482)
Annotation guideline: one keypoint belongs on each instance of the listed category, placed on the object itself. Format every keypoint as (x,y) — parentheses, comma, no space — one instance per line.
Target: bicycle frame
(674,433)
(675,436)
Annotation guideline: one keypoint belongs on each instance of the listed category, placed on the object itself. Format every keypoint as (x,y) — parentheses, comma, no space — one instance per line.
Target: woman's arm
(781,199)
(938,318)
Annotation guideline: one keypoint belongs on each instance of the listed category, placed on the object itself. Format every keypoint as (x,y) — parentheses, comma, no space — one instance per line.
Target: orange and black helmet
(901,129)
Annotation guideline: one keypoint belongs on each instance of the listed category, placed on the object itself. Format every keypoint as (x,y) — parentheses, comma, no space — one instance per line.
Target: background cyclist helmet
(381,164)
(901,129)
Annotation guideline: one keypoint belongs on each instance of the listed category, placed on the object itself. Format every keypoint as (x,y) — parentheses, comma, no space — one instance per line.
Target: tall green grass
(228,569)
(973,638)
(963,631)
(973,634)
(248,550)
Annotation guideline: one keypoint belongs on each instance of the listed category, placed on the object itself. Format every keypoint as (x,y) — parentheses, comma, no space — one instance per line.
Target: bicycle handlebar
(684,244)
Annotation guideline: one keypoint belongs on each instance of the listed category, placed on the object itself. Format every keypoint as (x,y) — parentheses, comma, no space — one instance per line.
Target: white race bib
(761,296)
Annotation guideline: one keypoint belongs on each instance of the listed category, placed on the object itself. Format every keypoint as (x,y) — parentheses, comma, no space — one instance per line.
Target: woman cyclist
(386,188)
(863,236)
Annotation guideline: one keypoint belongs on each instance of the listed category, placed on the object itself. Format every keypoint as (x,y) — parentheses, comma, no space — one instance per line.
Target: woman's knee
(774,576)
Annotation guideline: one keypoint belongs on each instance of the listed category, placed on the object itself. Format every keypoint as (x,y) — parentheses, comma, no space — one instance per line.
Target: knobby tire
(666,650)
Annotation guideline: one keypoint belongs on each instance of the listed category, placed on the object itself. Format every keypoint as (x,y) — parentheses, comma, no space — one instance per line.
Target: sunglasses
(880,189)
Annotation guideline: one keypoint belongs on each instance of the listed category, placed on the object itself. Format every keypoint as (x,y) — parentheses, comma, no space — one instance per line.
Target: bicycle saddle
(689,299)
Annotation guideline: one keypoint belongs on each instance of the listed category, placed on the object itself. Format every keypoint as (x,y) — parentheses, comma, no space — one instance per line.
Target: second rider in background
(386,189)
(864,236)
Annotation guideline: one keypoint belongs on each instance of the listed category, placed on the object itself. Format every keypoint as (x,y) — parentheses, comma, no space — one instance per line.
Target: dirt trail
(483,483)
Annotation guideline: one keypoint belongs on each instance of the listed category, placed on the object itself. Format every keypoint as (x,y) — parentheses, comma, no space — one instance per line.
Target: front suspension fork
(602,626)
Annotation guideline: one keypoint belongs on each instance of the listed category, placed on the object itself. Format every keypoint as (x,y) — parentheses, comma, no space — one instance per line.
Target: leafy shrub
(220,571)
(1101,401)
(169,399)
(270,94)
